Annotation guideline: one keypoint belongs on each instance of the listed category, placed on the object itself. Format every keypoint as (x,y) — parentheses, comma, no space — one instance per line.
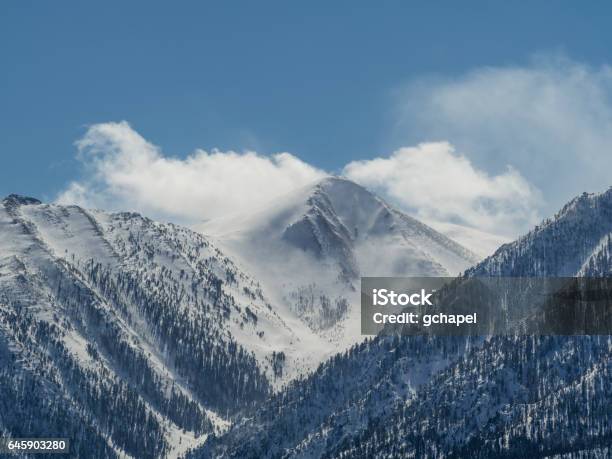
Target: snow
(69,230)
(328,234)
(37,240)
(347,232)
(480,242)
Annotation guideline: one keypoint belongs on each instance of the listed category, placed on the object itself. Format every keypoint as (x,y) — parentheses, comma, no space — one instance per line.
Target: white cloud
(124,171)
(551,120)
(544,126)
(436,183)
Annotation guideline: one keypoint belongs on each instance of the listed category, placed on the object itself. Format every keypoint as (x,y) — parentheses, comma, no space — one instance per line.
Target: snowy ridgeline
(458,397)
(310,248)
(140,338)
(135,338)
(131,336)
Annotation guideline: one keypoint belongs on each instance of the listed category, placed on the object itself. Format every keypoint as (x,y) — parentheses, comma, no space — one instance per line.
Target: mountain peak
(338,184)
(337,219)
(337,180)
(559,246)
(19,200)
(584,202)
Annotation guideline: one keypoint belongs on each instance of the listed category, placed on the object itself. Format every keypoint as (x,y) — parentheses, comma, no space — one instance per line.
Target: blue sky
(321,80)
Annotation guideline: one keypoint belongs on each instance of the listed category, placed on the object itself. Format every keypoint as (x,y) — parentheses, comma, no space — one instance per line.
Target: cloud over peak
(437,184)
(125,171)
(518,142)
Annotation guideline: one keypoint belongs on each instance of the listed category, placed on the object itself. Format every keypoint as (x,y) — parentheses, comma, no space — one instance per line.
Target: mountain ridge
(316,242)
(429,396)
(348,210)
(117,301)
(151,320)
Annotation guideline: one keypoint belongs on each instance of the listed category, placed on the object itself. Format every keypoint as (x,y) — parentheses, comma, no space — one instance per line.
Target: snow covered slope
(311,246)
(341,222)
(480,242)
(137,333)
(559,246)
(114,315)
(427,396)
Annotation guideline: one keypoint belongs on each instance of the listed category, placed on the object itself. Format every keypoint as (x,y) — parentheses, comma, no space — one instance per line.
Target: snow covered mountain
(117,317)
(140,339)
(560,246)
(135,335)
(341,222)
(455,397)
(311,246)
